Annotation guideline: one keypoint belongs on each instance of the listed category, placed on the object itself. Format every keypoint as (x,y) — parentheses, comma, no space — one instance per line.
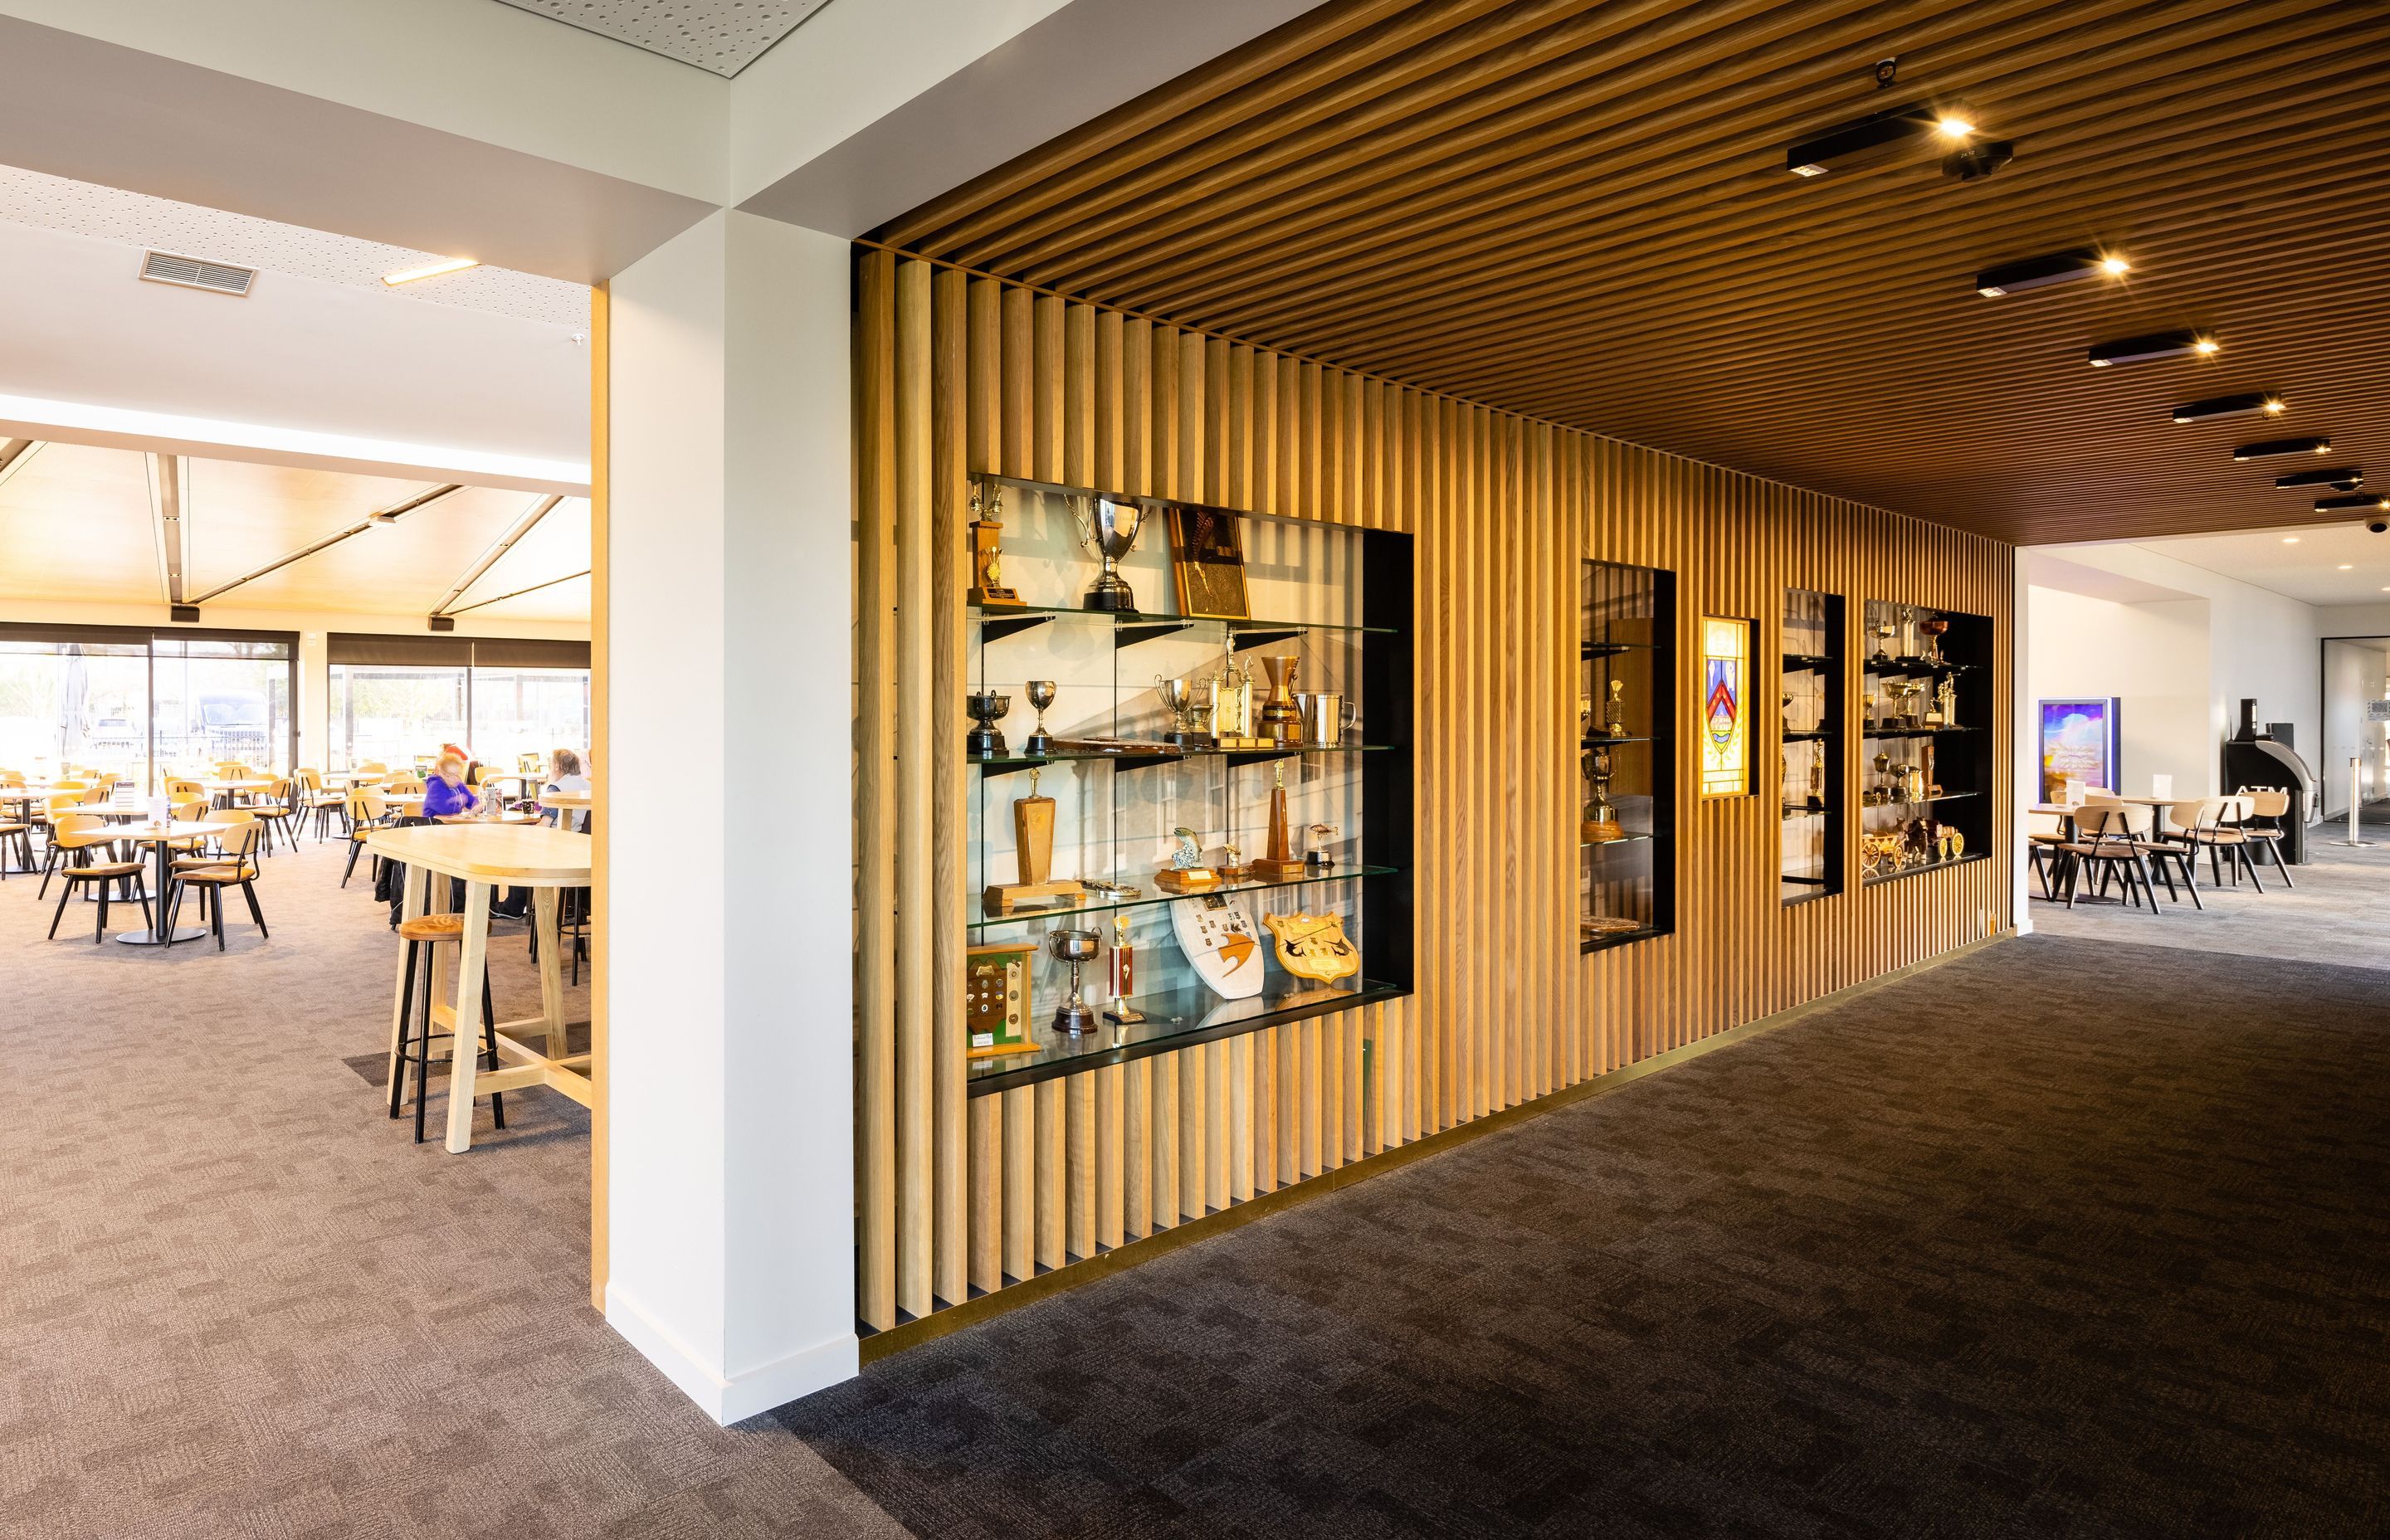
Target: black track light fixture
(2353,505)
(2144,350)
(2274,447)
(2340,478)
(2262,403)
(1879,138)
(2060,267)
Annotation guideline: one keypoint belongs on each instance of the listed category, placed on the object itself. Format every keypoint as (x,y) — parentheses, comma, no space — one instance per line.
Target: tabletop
(564,799)
(523,854)
(237,785)
(144,834)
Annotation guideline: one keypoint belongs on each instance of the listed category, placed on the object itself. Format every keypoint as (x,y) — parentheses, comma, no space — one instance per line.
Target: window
(396,699)
(138,705)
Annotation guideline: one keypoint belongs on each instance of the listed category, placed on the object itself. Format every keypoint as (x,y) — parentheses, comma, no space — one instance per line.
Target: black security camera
(1977,161)
(2378,526)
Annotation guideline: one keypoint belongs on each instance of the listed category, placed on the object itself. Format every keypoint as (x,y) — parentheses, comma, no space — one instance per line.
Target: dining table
(162,840)
(487,856)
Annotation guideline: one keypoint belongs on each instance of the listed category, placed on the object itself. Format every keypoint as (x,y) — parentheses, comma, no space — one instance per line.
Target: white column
(731,1149)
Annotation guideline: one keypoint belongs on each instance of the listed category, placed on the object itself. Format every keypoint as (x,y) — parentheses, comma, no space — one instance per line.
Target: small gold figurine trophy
(1281,720)
(987,561)
(1032,844)
(1613,715)
(1600,823)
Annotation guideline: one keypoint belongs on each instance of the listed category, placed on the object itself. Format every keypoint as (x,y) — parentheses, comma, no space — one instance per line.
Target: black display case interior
(1925,772)
(1811,863)
(1129,762)
(1626,676)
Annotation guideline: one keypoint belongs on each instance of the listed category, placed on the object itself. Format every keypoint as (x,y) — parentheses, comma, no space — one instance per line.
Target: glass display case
(1627,753)
(1182,824)
(1810,864)
(1925,772)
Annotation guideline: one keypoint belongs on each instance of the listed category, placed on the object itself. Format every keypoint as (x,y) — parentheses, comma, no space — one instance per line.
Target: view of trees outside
(529,711)
(83,706)
(93,704)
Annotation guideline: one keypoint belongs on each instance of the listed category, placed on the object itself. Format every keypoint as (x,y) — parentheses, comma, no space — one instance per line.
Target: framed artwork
(1207,563)
(1726,716)
(2079,741)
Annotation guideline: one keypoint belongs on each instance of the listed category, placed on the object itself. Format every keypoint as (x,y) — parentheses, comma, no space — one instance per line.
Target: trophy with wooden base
(1186,873)
(1032,845)
(1078,948)
(1600,823)
(1122,976)
(987,589)
(1281,719)
(1280,863)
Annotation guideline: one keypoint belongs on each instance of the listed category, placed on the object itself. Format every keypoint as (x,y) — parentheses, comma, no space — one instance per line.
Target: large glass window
(529,711)
(387,714)
(136,706)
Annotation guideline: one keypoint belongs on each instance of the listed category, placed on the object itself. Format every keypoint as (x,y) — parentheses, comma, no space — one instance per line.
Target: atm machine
(2261,759)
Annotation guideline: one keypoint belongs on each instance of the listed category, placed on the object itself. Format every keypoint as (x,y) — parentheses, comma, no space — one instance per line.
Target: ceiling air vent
(193,273)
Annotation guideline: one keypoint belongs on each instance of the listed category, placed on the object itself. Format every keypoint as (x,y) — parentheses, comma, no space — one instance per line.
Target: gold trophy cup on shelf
(1281,719)
(1109,531)
(1600,823)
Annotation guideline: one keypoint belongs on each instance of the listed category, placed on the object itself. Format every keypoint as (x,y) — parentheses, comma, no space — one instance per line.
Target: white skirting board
(728,1400)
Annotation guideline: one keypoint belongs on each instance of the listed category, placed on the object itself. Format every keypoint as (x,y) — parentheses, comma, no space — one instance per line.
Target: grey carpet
(237,1301)
(2059,1239)
(2338,912)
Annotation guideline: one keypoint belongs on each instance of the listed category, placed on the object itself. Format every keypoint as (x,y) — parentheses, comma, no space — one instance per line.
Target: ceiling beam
(14,454)
(523,526)
(380,516)
(166,522)
(521,592)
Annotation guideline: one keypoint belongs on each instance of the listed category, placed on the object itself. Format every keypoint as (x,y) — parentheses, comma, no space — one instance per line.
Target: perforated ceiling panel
(724,36)
(136,219)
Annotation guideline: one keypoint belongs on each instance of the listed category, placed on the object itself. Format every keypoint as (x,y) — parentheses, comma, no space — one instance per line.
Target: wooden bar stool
(421,935)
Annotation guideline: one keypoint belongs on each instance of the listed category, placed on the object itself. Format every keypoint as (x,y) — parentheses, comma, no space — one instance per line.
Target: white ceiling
(722,36)
(135,219)
(77,527)
(2307,568)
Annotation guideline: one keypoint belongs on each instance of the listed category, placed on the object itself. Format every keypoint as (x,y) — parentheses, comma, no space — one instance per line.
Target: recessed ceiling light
(412,275)
(2340,478)
(2140,349)
(2021,277)
(1871,141)
(2347,566)
(2261,402)
(2290,540)
(2345,505)
(2272,447)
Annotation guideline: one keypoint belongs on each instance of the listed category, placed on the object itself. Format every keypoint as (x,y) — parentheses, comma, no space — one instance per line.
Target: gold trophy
(1122,976)
(987,589)
(1078,948)
(1599,825)
(1281,720)
(1232,709)
(1108,529)
(1613,715)
(1946,695)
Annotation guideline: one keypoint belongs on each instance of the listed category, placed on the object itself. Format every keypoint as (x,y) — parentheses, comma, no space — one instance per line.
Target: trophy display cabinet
(1190,815)
(1926,751)
(1810,864)
(1627,678)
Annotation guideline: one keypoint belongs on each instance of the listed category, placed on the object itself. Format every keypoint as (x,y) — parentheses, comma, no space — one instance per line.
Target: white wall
(2354,674)
(2152,657)
(2258,644)
(731,1194)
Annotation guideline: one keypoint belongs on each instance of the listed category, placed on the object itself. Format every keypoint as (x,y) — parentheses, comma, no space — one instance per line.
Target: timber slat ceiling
(1580,212)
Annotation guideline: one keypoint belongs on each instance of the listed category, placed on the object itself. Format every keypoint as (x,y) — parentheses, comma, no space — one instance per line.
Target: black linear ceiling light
(1873,140)
(2023,277)
(2272,447)
(2340,478)
(2264,402)
(2142,349)
(2350,504)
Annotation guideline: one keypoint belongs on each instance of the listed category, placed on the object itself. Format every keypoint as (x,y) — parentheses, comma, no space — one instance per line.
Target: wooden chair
(324,805)
(19,833)
(2228,846)
(2042,849)
(367,811)
(2174,849)
(124,874)
(279,808)
(2263,829)
(2109,840)
(237,868)
(73,836)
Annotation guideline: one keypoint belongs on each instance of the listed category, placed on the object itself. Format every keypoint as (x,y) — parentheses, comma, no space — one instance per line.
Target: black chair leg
(100,931)
(215,915)
(423,1044)
(249,892)
(490,1046)
(406,1027)
(2243,853)
(2162,870)
(2274,851)
(66,895)
(349,871)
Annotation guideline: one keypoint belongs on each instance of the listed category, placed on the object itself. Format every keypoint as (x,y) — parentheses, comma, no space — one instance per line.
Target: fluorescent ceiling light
(412,275)
(2141,350)
(2259,402)
(2059,267)
(2272,447)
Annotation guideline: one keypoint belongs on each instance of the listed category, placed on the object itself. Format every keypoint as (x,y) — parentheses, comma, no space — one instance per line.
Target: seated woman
(565,774)
(446,798)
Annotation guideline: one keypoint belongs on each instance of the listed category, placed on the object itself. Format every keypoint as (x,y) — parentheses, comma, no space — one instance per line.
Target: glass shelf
(1608,938)
(1913,732)
(1597,742)
(1612,649)
(1915,665)
(1137,759)
(1806,735)
(1807,660)
(1038,615)
(1174,1018)
(1622,839)
(1923,867)
(1792,812)
(1148,894)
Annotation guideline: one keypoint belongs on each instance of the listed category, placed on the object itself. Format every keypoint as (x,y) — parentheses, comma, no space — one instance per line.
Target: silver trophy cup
(1109,532)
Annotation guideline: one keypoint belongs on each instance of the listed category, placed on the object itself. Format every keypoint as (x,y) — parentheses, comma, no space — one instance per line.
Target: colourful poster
(1726,727)
(2078,742)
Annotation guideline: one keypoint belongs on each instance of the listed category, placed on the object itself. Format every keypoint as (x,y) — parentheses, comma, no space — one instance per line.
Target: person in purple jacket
(447,798)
